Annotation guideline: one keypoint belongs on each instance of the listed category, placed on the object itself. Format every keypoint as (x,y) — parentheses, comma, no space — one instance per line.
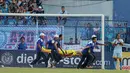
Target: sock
(115,63)
(120,65)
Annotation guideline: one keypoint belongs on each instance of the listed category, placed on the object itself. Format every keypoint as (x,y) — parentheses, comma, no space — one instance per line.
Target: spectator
(17,6)
(96,30)
(119,25)
(27,19)
(25,5)
(71,42)
(40,10)
(20,9)
(13,7)
(38,2)
(19,3)
(30,3)
(5,7)
(63,11)
(115,25)
(125,25)
(1,2)
(22,45)
(86,32)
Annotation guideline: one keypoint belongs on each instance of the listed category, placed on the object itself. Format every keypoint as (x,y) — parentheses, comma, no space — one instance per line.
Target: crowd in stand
(20,6)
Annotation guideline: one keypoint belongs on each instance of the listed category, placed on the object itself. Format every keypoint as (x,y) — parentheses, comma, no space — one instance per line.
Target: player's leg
(65,20)
(91,60)
(1,64)
(58,19)
(44,59)
(36,60)
(120,59)
(115,59)
(86,61)
(81,61)
(49,60)
(58,57)
(54,58)
(46,51)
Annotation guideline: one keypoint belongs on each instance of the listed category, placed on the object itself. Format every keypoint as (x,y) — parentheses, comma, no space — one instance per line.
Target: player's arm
(62,50)
(55,44)
(121,43)
(101,44)
(114,43)
(47,45)
(86,47)
(38,45)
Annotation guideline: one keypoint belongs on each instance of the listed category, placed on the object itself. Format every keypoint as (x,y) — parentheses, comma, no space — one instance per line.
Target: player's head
(56,37)
(94,38)
(42,35)
(118,36)
(60,37)
(22,39)
(63,8)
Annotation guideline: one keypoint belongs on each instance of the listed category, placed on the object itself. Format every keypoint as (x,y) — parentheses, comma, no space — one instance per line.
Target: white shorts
(117,54)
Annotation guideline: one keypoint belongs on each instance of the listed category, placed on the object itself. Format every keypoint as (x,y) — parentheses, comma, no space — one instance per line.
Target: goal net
(76,28)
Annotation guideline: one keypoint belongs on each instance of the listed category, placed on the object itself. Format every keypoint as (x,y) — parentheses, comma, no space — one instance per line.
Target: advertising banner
(19,58)
(126,60)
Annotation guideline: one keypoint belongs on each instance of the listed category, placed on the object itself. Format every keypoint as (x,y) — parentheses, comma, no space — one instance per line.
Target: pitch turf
(57,70)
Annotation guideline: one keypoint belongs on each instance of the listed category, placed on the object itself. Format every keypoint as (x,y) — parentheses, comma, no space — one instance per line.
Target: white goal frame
(67,15)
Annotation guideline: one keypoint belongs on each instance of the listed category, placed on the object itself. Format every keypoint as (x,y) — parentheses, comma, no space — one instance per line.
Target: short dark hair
(117,35)
(71,38)
(22,38)
(94,38)
(62,6)
(60,35)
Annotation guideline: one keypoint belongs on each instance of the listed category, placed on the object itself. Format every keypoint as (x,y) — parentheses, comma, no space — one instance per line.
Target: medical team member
(40,54)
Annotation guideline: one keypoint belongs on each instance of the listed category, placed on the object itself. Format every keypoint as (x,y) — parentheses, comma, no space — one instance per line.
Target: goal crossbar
(50,15)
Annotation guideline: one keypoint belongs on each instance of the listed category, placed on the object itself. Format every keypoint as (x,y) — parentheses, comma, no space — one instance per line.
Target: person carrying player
(87,53)
(40,54)
(117,54)
(54,51)
(50,46)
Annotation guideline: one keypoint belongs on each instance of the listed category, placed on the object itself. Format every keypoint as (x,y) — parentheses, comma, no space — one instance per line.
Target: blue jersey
(91,45)
(51,44)
(41,42)
(57,42)
(22,46)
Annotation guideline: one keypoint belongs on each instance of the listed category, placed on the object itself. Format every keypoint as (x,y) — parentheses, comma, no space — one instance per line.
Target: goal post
(67,15)
(102,27)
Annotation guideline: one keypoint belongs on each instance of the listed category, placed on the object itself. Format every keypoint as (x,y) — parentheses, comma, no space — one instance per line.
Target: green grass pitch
(58,70)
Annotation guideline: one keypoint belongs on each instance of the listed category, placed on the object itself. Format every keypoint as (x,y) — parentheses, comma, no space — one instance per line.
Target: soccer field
(57,70)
